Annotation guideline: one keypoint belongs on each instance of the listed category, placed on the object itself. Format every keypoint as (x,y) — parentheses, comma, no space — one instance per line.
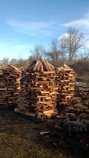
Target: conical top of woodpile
(65,68)
(39,66)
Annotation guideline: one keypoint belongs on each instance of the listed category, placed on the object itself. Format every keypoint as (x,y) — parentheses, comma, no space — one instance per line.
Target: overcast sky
(25,23)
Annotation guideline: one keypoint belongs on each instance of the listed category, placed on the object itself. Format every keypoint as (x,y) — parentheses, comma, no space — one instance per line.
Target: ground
(19,138)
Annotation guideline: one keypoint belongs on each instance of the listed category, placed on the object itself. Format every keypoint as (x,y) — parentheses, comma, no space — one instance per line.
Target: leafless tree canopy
(72,42)
(54,54)
(38,52)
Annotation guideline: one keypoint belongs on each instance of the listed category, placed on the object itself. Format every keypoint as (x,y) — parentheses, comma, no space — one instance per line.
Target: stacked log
(65,83)
(83,93)
(24,94)
(83,89)
(9,85)
(40,93)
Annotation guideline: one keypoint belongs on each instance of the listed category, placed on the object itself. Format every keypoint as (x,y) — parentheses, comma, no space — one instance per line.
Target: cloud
(87,45)
(80,23)
(32,27)
(63,35)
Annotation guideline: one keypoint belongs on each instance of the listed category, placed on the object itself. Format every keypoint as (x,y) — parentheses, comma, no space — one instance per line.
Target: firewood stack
(65,83)
(83,92)
(41,90)
(9,85)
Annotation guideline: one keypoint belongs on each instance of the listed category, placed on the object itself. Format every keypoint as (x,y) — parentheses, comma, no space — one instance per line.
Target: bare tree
(13,61)
(73,42)
(38,52)
(54,53)
(63,50)
(5,61)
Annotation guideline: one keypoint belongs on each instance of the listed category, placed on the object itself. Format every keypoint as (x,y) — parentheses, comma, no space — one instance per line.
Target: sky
(26,23)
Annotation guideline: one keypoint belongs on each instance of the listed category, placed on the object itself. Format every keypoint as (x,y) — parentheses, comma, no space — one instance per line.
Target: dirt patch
(19,138)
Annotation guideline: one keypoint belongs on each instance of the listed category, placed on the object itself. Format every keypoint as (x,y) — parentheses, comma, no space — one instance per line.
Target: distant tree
(63,50)
(54,54)
(38,52)
(13,61)
(73,42)
(5,61)
(85,54)
(21,63)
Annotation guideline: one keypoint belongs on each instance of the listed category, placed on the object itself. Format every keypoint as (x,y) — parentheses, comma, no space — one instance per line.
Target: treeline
(67,49)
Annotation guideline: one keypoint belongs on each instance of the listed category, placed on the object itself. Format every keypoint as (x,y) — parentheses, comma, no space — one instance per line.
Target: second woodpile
(40,90)
(9,85)
(65,82)
(81,102)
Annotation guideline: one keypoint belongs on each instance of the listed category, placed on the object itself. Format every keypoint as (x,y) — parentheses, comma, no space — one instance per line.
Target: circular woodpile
(40,90)
(65,83)
(9,85)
